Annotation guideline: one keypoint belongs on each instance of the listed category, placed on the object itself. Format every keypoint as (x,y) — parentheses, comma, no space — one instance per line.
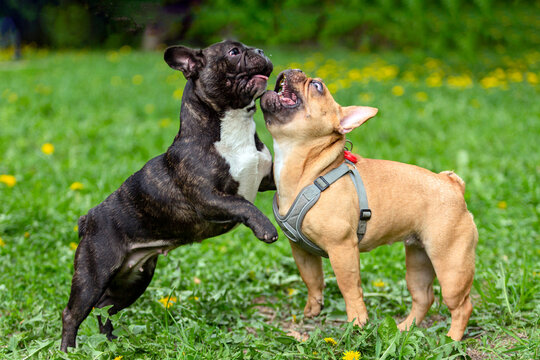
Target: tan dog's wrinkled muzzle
(286,98)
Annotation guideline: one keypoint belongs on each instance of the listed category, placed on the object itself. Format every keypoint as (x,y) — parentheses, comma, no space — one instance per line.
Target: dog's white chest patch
(248,166)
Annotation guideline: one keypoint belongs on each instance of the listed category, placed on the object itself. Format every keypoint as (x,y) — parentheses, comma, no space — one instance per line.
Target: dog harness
(291,223)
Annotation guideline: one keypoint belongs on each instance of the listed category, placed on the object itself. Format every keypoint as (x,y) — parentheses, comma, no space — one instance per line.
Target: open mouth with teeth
(285,93)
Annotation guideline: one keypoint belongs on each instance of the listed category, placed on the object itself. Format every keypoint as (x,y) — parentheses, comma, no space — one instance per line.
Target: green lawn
(106,114)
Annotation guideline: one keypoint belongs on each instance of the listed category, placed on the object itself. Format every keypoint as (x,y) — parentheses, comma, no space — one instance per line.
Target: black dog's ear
(188,61)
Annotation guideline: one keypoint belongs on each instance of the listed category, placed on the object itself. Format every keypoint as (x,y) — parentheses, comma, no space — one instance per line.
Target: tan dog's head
(302,108)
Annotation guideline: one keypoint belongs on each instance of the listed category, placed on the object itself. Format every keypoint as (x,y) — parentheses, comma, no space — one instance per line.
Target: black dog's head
(228,74)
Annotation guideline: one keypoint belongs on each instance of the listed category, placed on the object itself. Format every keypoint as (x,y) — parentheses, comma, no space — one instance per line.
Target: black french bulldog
(201,187)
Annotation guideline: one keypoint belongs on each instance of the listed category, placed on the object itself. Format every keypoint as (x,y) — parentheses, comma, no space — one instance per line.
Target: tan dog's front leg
(346,265)
(311,271)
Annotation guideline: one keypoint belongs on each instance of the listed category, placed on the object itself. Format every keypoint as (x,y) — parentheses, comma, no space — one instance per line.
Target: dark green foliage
(433,26)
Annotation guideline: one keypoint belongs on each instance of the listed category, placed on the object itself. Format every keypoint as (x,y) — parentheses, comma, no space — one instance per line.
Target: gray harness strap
(291,223)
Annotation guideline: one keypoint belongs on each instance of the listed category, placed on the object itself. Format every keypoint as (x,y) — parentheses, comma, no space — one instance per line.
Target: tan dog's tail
(456,179)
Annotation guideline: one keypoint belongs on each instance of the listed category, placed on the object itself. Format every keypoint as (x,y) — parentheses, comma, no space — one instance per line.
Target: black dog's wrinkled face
(228,74)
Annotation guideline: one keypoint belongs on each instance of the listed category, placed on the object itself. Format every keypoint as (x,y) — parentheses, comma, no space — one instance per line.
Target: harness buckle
(365,214)
(321,183)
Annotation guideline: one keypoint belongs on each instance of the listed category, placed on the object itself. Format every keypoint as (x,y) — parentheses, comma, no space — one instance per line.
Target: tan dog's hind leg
(346,265)
(311,271)
(420,275)
(455,270)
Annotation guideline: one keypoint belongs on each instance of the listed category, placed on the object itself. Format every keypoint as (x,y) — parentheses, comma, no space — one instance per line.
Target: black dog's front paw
(265,231)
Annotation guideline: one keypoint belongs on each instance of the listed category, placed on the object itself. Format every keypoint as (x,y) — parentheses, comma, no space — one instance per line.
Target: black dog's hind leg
(106,328)
(123,291)
(95,264)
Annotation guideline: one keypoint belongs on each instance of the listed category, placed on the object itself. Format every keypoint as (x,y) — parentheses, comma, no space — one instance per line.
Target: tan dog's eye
(317,85)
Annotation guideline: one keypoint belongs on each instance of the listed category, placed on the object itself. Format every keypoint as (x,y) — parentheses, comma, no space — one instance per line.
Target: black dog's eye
(234,52)
(317,86)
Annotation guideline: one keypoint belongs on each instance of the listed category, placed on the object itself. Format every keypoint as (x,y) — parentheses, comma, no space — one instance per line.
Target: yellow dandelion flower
(113,56)
(73,246)
(459,81)
(12,97)
(434,80)
(351,355)
(421,96)
(309,66)
(409,76)
(119,357)
(2,243)
(196,298)
(499,74)
(355,74)
(532,78)
(365,97)
(378,283)
(333,87)
(47,148)
(489,82)
(291,291)
(164,122)
(294,318)
(398,90)
(502,205)
(149,108)
(330,341)
(168,301)
(125,49)
(177,94)
(76,186)
(388,72)
(26,235)
(116,80)
(432,63)
(137,79)
(294,65)
(9,180)
(76,228)
(515,76)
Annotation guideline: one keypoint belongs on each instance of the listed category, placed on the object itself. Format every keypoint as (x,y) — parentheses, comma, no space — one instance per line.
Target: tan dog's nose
(295,76)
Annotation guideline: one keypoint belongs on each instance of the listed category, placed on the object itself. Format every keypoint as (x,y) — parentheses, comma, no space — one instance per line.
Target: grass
(106,114)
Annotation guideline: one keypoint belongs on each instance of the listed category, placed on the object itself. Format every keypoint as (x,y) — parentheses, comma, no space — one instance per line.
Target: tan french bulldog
(424,210)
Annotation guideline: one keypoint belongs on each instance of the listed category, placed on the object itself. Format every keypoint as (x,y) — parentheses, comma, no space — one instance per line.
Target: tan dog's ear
(354,116)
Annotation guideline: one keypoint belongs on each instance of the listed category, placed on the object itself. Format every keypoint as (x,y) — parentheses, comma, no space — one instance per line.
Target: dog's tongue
(288,98)
(261,77)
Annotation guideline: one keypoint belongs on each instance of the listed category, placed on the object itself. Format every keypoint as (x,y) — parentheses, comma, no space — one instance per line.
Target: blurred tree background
(436,27)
